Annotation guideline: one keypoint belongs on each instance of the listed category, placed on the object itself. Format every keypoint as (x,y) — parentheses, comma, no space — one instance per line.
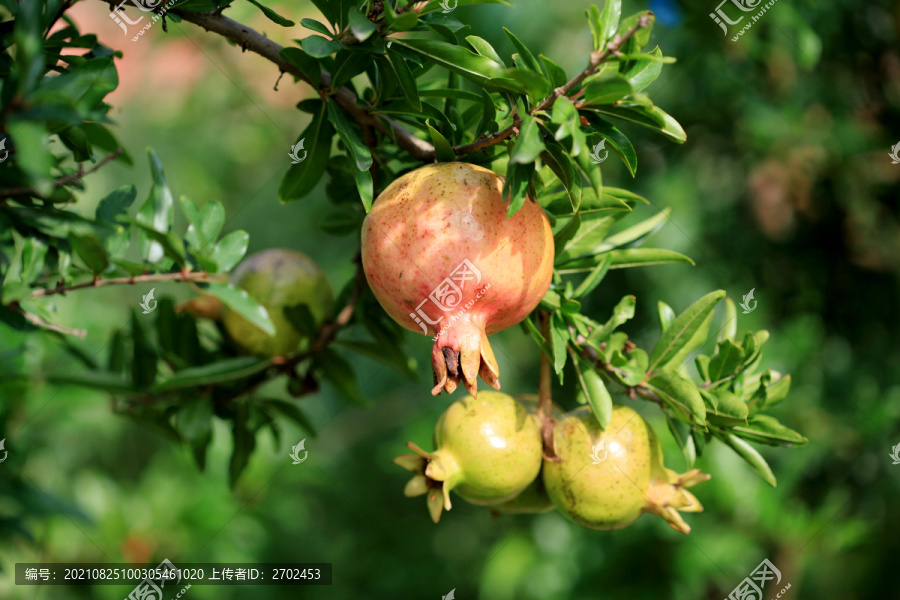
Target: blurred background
(785,186)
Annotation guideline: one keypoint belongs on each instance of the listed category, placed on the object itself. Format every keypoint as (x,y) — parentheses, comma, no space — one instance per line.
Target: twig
(545,401)
(36,320)
(200,276)
(71,178)
(250,39)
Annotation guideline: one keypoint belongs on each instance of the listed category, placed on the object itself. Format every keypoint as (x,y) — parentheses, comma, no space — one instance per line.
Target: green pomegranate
(277,279)
(606,479)
(488,450)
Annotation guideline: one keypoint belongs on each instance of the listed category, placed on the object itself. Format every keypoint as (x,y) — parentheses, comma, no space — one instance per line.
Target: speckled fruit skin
(276,279)
(418,233)
(608,495)
(489,448)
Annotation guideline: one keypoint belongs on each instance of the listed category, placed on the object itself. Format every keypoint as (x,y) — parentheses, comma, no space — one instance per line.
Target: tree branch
(250,39)
(36,320)
(198,276)
(71,178)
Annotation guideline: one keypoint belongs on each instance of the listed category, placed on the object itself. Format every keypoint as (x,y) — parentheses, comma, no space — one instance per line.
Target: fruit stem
(545,401)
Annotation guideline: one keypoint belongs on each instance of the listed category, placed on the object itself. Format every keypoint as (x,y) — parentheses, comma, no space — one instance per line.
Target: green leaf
(318,27)
(682,330)
(528,59)
(360,153)
(729,330)
(728,408)
(442,149)
(336,370)
(681,395)
(535,333)
(240,302)
(683,437)
(223,371)
(764,429)
(301,178)
(515,186)
(272,15)
(609,19)
(643,70)
(566,116)
(649,116)
(171,246)
(90,249)
(365,187)
(562,166)
(406,79)
(636,233)
(291,410)
(749,454)
(205,225)
(727,361)
(116,238)
(483,48)
(34,251)
(528,144)
(157,212)
(632,257)
(305,63)
(556,73)
(144,358)
(777,392)
(606,88)
(229,251)
(319,47)
(620,144)
(455,58)
(559,339)
(622,312)
(244,443)
(597,395)
(593,279)
(666,315)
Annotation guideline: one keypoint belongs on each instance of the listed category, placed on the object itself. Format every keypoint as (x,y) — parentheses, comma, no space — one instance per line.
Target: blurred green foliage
(784,185)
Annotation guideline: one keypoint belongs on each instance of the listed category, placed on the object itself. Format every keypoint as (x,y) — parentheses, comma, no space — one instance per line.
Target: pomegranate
(489,450)
(277,279)
(443,259)
(607,479)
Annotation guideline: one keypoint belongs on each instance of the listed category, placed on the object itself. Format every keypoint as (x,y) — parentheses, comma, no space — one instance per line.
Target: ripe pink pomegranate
(444,260)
